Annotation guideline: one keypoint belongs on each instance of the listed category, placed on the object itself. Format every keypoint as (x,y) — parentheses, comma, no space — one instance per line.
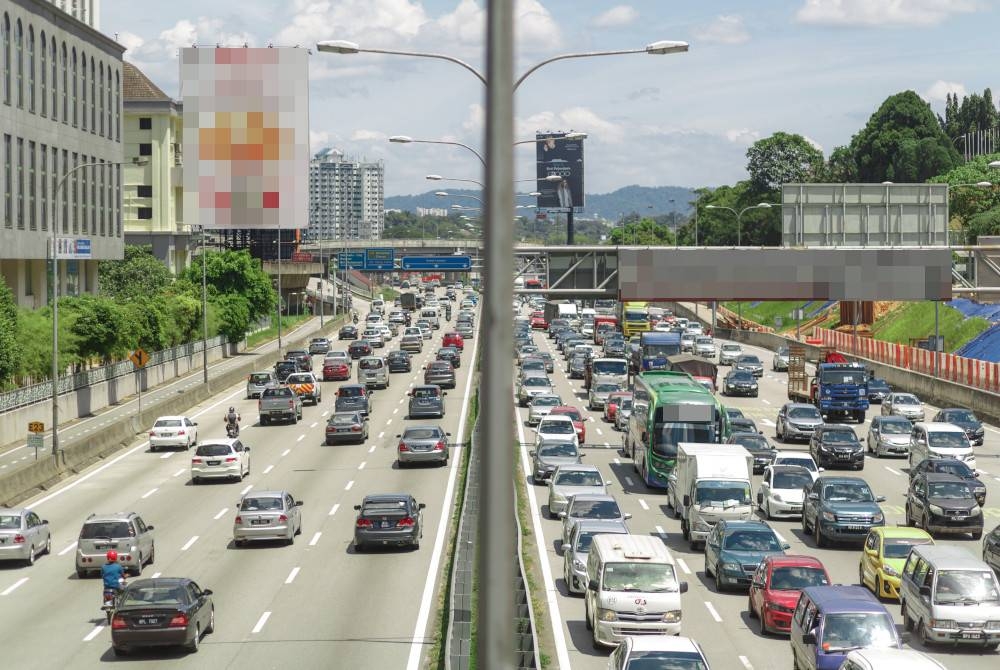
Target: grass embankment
(916,320)
(532,572)
(764,313)
(287,324)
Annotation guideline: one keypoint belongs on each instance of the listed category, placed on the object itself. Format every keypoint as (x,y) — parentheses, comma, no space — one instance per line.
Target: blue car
(734,549)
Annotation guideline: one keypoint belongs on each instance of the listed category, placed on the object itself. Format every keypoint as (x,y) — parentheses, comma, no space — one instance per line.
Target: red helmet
(112,556)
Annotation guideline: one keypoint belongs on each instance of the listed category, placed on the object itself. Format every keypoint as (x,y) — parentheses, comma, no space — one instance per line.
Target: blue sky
(814,67)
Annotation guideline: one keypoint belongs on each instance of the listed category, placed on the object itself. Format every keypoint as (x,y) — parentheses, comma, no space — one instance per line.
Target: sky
(819,68)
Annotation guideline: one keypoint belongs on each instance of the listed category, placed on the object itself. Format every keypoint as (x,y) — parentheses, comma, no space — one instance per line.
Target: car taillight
(19,539)
(291,404)
(355,428)
(439,446)
(403,447)
(181,432)
(231,459)
(282,518)
(152,433)
(239,519)
(405,522)
(363,523)
(118,623)
(178,621)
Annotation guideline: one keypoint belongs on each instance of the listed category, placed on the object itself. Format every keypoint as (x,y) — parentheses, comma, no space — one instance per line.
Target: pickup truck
(279,403)
(305,386)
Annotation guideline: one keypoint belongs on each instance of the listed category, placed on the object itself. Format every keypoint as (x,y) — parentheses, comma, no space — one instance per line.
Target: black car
(284,368)
(352,398)
(742,424)
(359,348)
(734,413)
(943,504)
(763,452)
(577,367)
(878,390)
(399,361)
(388,519)
(451,355)
(740,382)
(302,357)
(991,550)
(161,612)
(835,444)
(964,419)
(953,466)
(348,332)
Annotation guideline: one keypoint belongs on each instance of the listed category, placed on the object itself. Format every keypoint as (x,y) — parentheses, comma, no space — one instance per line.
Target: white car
(374,336)
(704,346)
(800,458)
(729,353)
(666,651)
(780,493)
(687,342)
(540,407)
(555,427)
(386,331)
(173,431)
(220,458)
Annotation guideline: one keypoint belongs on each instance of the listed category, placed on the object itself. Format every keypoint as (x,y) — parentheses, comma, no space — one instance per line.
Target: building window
(75,205)
(83,89)
(43,52)
(65,84)
(19,62)
(6,58)
(91,216)
(43,195)
(29,288)
(145,213)
(65,193)
(54,65)
(31,69)
(32,188)
(100,100)
(145,149)
(117,108)
(144,191)
(145,123)
(118,200)
(54,171)
(94,92)
(102,187)
(8,196)
(20,183)
(75,99)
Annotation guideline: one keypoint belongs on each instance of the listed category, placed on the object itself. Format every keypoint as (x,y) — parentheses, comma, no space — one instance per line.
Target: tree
(235,273)
(138,275)
(903,142)
(10,349)
(783,158)
(841,167)
(966,202)
(234,316)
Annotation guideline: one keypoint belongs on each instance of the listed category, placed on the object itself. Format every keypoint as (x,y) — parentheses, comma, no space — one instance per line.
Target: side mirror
(880,499)
(444,393)
(194,423)
(821,469)
(421,505)
(150,527)
(246,449)
(809,638)
(976,473)
(565,546)
(813,496)
(608,482)
(786,546)
(562,515)
(684,587)
(592,585)
(206,592)
(357,507)
(757,584)
(905,637)
(45,522)
(400,435)
(299,503)
(627,515)
(530,453)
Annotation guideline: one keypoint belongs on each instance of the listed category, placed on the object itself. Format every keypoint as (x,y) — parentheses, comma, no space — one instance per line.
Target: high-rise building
(60,147)
(346,198)
(153,211)
(86,11)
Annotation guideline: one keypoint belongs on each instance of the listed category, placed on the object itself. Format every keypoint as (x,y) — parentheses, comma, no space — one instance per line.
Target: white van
(632,588)
(378,305)
(940,440)
(373,371)
(431,314)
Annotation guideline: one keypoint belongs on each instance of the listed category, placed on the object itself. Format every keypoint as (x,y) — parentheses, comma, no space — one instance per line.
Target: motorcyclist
(113,573)
(232,420)
(354,317)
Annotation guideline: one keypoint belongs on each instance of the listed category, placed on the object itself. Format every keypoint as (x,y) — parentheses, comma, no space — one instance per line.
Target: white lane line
(300,438)
(388,422)
(314,424)
(349,486)
(684,566)
(268,469)
(94,633)
(642,504)
(997,478)
(711,610)
(395,411)
(381,435)
(618,461)
(746,662)
(286,452)
(259,626)
(167,455)
(68,549)
(246,489)
(155,575)
(10,589)
(660,531)
(401,400)
(371,449)
(766,401)
(180,472)
(149,492)
(362,466)
(221,513)
(893,471)
(781,538)
(982,472)
(767,422)
(315,538)
(629,481)
(189,543)
(292,575)
(333,510)
(326,412)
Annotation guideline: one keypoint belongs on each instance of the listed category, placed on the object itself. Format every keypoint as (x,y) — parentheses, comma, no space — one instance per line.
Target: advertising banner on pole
(562,158)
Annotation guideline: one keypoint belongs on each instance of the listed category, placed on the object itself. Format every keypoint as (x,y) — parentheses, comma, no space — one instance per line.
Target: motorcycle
(232,429)
(110,599)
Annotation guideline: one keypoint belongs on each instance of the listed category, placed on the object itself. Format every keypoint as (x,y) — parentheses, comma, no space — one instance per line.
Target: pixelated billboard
(563,158)
(246,137)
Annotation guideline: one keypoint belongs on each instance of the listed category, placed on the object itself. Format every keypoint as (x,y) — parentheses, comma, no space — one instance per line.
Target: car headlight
(732,567)
(607,615)
(936,509)
(673,616)
(889,570)
(829,516)
(992,625)
(943,623)
(578,565)
(878,518)
(976,511)
(775,607)
(700,524)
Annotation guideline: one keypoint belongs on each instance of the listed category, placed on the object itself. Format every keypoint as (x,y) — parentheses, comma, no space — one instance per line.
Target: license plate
(147,621)
(972,636)
(343,430)
(214,462)
(959,518)
(166,434)
(259,522)
(843,457)
(857,528)
(385,524)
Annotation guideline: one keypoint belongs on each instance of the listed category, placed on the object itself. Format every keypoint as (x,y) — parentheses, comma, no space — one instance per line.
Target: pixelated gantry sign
(246,137)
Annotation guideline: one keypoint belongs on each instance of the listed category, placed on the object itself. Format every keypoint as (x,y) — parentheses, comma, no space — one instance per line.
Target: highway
(314,604)
(719,622)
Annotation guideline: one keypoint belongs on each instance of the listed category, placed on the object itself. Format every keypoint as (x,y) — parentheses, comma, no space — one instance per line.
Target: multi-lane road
(719,621)
(313,604)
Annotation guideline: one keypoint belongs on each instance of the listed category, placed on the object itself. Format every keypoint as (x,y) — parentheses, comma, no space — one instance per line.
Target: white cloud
(476,120)
(579,119)
(362,135)
(318,139)
(882,12)
(616,17)
(726,29)
(743,136)
(130,41)
(813,142)
(939,90)
(536,29)
(376,23)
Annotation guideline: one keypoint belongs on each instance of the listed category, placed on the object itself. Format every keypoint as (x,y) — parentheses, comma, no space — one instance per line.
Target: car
(569,480)
(258,381)
(173,431)
(903,404)
(836,444)
(599,506)
(281,371)
(125,532)
(337,369)
(267,515)
(453,339)
(612,403)
(623,414)
(526,351)
(763,452)
(426,328)
(734,550)
(302,357)
(840,509)
(599,392)
(540,406)
(374,337)
(534,364)
(796,421)
(779,362)
(422,444)
(883,659)
(964,419)
(576,368)
(412,343)
(279,403)
(943,504)
(359,349)
(743,424)
(529,387)
(704,346)
(538,322)
(348,332)
(740,382)
(319,345)
(780,492)
(883,555)
(956,467)
(550,454)
(734,413)
(751,364)
(549,361)
(306,386)
(576,416)
(399,361)
(441,373)
(878,390)
(23,535)
(220,458)
(991,549)
(799,458)
(575,551)
(346,427)
(352,398)
(637,652)
(450,354)
(889,436)
(556,427)
(388,519)
(426,400)
(776,586)
(729,352)
(687,342)
(162,612)
(465,329)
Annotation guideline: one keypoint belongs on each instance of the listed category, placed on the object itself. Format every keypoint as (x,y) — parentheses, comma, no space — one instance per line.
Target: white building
(86,11)
(346,198)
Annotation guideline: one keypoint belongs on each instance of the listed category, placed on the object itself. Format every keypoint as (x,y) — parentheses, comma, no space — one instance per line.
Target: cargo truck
(633,317)
(655,349)
(837,388)
(709,482)
(559,310)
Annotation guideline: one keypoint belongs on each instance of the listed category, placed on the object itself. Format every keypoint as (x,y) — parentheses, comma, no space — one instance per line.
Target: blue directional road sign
(435,263)
(380,259)
(351,260)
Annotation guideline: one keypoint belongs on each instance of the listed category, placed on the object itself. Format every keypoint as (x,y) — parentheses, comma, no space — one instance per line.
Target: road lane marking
(292,575)
(684,566)
(68,549)
(711,610)
(10,589)
(179,472)
(766,401)
(642,504)
(350,485)
(381,435)
(189,543)
(221,513)
(333,510)
(893,471)
(315,538)
(600,432)
(286,452)
(268,469)
(746,662)
(259,626)
(767,422)
(982,472)
(371,449)
(617,461)
(314,424)
(94,633)
(149,492)
(660,531)
(300,438)
(629,481)
(326,412)
(362,466)
(401,400)
(395,411)
(167,455)
(388,422)
(155,575)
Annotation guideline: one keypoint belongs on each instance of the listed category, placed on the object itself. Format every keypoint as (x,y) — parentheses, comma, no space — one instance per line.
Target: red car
(453,340)
(538,321)
(776,587)
(578,422)
(336,371)
(611,406)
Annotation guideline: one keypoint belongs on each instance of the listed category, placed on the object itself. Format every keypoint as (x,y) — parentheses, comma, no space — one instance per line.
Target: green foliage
(235,273)
(10,350)
(234,316)
(916,320)
(718,227)
(138,275)
(975,210)
(642,232)
(407,225)
(841,167)
(101,327)
(986,223)
(783,158)
(976,112)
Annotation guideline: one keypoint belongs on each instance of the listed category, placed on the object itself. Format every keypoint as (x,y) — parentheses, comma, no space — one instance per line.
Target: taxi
(884,553)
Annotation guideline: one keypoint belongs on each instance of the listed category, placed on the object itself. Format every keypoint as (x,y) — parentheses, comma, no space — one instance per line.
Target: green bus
(669,408)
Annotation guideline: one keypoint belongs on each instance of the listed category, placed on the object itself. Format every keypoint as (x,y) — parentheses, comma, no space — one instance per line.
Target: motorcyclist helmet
(112,556)
(232,410)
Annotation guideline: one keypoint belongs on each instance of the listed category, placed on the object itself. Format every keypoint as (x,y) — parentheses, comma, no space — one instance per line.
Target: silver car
(125,532)
(729,353)
(779,361)
(540,407)
(889,436)
(905,405)
(569,480)
(422,444)
(590,506)
(704,346)
(529,387)
(550,454)
(623,414)
(267,515)
(258,381)
(412,343)
(751,364)
(23,536)
(599,392)
(576,550)
(796,421)
(687,341)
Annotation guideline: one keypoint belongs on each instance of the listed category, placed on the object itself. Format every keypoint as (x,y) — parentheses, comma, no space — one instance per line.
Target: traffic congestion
(703,503)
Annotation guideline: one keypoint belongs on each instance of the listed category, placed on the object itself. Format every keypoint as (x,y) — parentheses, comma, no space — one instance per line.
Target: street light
(204,306)
(406,139)
(739,215)
(445,194)
(437,177)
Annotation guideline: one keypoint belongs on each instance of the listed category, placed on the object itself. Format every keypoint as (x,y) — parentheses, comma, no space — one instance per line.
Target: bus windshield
(669,435)
(610,368)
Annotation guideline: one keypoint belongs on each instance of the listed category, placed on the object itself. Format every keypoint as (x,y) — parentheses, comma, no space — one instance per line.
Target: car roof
(113,516)
(843,598)
(735,524)
(228,441)
(351,386)
(794,560)
(171,416)
(560,418)
(663,643)
(939,426)
(799,405)
(912,659)
(602,526)
(836,426)
(158,582)
(900,532)
(841,479)
(265,494)
(942,477)
(425,426)
(593,497)
(958,558)
(783,468)
(13,510)
(578,467)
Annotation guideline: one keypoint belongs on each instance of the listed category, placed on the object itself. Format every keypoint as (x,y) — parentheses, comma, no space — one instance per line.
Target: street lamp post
(437,177)
(204,309)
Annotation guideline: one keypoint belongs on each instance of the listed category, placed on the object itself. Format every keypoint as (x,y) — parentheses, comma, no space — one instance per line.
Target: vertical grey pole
(279,290)
(798,324)
(204,309)
(55,325)
(937,333)
(857,308)
(715,304)
(497,539)
(739,315)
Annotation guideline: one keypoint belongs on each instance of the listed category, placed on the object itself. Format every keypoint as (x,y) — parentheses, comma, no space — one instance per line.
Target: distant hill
(643,200)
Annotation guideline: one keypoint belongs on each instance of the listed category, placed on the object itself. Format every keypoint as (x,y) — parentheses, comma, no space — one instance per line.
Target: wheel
(80,574)
(110,614)
(119,651)
(48,545)
(907,621)
(718,582)
(924,635)
(586,617)
(925,522)
(818,534)
(193,646)
(778,434)
(708,573)
(264,421)
(210,628)
(764,632)
(860,466)
(879,587)
(861,575)
(416,543)
(906,513)
(152,555)
(196,480)
(978,535)
(767,509)
(684,530)
(31,555)
(751,612)
(290,540)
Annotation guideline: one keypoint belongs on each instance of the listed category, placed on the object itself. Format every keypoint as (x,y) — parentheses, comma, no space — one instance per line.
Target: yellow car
(883,556)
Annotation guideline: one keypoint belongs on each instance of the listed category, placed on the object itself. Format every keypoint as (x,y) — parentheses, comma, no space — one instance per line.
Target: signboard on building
(73,248)
(246,137)
(562,158)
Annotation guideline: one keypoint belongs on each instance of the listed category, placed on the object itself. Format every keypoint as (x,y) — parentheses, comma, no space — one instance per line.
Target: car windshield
(791,480)
(752,441)
(10,521)
(349,392)
(804,413)
(839,436)
(546,401)
(669,435)
(730,348)
(167,423)
(796,579)
(610,368)
(536,381)
(578,478)
(956,440)
(606,388)
(843,377)
(806,463)
(262,503)
(370,363)
(740,377)
(214,450)
(639,577)
(905,399)
(299,379)
(844,492)
(901,427)
(162,596)
(957,468)
(260,378)
(703,340)
(949,490)
(899,547)
(722,494)
(99,529)
(425,393)
(743,540)
(557,427)
(625,404)
(383,507)
(879,384)
(586,538)
(963,415)
(421,434)
(561,450)
(966,587)
(344,419)
(782,351)
(855,631)
(750,360)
